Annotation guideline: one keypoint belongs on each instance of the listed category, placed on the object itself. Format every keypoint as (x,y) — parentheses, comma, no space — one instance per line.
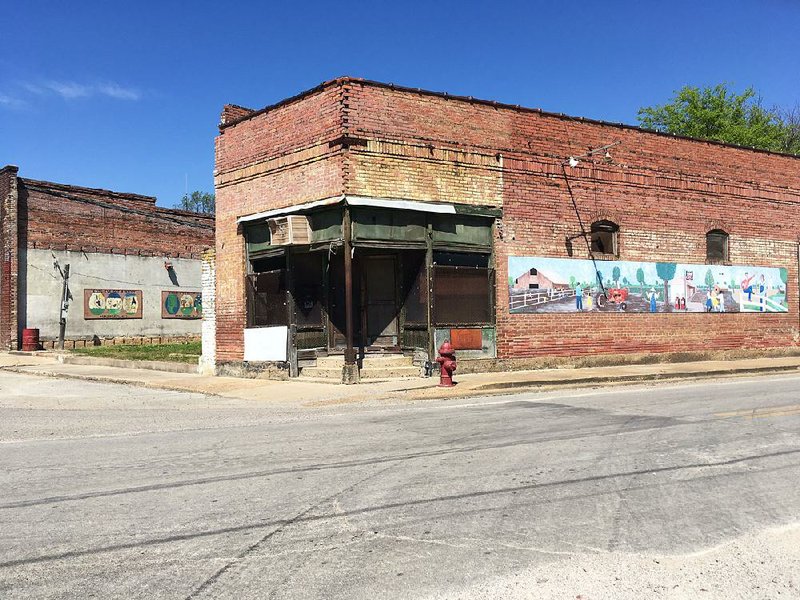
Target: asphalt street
(678,490)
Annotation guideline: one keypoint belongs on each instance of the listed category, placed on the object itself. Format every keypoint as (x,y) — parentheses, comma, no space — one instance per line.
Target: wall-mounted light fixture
(573,161)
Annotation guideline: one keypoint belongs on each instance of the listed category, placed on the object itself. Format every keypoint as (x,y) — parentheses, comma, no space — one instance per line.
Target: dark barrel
(30,340)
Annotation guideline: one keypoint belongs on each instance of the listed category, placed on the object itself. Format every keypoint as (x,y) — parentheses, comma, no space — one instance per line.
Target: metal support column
(350,372)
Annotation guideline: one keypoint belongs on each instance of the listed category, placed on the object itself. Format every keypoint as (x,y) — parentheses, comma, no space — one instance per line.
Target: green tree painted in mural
(572,281)
(640,276)
(666,271)
(784,275)
(733,283)
(709,279)
(625,282)
(615,274)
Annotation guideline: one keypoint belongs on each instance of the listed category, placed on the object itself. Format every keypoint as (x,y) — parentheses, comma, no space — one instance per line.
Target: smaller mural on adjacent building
(181,305)
(563,285)
(112,304)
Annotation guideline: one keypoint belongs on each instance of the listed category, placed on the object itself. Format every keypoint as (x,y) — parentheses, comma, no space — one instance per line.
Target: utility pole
(62,320)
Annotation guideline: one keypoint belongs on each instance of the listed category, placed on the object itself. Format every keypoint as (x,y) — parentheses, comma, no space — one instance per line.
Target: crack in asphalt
(646,424)
(301,517)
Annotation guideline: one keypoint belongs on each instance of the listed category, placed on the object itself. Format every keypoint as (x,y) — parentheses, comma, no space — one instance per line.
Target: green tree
(709,279)
(572,281)
(791,123)
(719,113)
(615,274)
(199,202)
(666,271)
(640,276)
(625,282)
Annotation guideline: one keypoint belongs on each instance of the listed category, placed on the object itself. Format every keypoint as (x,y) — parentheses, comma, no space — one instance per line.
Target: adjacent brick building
(121,248)
(447,192)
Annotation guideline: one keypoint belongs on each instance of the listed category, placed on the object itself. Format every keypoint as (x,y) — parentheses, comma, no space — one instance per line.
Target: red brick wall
(271,160)
(664,192)
(63,217)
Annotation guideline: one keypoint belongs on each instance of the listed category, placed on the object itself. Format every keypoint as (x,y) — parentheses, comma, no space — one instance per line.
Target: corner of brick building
(664,192)
(9,264)
(279,156)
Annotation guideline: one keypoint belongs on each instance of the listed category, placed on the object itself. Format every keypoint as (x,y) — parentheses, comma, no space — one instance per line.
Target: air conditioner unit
(291,230)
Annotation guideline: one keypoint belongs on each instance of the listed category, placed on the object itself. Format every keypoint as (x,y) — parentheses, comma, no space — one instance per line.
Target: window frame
(725,237)
(604,227)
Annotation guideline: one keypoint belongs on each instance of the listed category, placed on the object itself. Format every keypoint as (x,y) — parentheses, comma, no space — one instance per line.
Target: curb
(418,393)
(633,378)
(25,370)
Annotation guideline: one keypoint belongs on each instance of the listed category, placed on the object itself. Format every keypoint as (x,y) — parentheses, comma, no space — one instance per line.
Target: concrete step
(377,361)
(334,373)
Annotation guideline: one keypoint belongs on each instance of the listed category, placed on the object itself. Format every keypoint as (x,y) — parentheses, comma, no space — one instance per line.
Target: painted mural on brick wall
(564,285)
(112,304)
(181,305)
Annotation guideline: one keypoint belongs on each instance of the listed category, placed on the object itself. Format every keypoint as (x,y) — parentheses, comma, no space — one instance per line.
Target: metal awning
(395,203)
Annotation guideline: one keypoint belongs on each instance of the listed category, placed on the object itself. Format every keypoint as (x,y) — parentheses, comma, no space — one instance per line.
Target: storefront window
(266,299)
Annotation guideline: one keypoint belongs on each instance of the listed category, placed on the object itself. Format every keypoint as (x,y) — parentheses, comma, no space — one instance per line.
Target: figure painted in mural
(677,303)
(747,287)
(762,290)
(709,302)
(578,297)
(721,297)
(683,303)
(715,299)
(589,300)
(652,296)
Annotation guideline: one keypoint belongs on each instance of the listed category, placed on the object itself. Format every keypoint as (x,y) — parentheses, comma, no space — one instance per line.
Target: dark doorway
(336,307)
(379,302)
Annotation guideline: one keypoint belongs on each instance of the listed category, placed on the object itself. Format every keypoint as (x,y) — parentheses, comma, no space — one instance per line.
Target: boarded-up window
(462,295)
(266,299)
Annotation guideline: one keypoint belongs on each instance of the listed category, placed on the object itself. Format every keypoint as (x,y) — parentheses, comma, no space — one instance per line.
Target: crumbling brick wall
(64,217)
(43,216)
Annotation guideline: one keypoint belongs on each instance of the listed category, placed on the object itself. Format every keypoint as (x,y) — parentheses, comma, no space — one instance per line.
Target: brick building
(414,212)
(133,265)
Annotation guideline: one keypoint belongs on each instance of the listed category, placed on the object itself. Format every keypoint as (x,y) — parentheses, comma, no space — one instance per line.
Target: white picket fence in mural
(535,297)
(758,302)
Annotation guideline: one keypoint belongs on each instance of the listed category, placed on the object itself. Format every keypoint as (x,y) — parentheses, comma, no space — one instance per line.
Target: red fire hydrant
(447,363)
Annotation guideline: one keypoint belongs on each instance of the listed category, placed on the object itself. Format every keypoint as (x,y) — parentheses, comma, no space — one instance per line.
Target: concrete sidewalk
(324,392)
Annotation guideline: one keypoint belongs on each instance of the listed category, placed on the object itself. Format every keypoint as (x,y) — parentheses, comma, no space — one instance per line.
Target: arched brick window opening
(604,236)
(717,246)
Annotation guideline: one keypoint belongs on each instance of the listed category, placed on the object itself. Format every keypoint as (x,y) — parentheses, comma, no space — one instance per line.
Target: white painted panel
(265,343)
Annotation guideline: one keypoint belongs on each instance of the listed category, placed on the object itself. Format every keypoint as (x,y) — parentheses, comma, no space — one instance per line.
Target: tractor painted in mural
(614,296)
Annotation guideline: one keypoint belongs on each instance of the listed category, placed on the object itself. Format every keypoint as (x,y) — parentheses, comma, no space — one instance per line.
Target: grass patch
(186,353)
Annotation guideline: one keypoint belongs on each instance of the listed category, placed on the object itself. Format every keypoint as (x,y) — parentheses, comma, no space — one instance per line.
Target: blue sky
(127,96)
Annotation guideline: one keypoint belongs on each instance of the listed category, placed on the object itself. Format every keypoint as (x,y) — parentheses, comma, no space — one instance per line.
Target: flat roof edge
(494,103)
